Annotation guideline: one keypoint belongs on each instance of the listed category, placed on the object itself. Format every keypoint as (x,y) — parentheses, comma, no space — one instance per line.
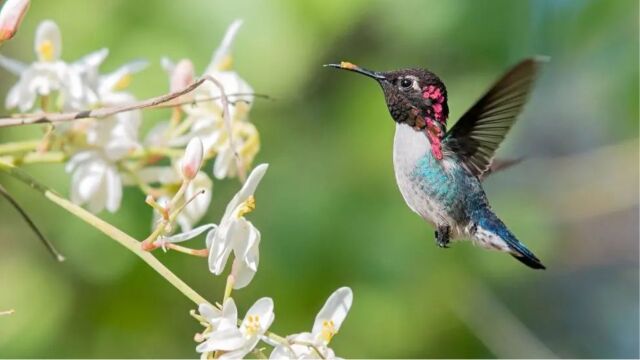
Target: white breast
(409,146)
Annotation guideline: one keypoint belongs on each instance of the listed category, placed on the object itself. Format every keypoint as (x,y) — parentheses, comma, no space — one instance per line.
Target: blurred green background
(329,210)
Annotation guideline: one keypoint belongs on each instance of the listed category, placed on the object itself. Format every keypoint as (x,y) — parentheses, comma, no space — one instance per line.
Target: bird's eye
(405,83)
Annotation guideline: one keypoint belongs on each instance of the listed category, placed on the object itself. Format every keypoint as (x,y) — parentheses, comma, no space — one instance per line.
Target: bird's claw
(442,237)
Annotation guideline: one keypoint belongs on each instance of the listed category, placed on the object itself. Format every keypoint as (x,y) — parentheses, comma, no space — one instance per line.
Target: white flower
(117,135)
(235,342)
(247,143)
(206,115)
(197,208)
(110,87)
(95,181)
(88,65)
(221,59)
(11,16)
(45,76)
(238,235)
(192,159)
(194,210)
(328,321)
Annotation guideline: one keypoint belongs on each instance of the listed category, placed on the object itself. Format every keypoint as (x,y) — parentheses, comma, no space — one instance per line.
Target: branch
(53,118)
(116,234)
(212,98)
(56,254)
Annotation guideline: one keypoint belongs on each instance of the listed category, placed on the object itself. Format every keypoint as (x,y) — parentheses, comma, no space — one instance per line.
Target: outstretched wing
(479,132)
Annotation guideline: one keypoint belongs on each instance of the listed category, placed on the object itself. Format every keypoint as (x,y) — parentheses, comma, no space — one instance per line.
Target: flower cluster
(103,155)
(106,154)
(224,337)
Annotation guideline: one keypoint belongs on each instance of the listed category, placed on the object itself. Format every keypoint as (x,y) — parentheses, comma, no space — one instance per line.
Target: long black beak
(355,68)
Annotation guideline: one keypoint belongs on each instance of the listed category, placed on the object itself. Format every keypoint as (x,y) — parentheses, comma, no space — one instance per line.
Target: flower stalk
(111,231)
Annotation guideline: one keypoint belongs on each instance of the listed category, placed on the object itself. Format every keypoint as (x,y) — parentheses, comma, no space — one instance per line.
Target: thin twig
(111,231)
(52,249)
(7,312)
(212,98)
(116,234)
(101,112)
(227,121)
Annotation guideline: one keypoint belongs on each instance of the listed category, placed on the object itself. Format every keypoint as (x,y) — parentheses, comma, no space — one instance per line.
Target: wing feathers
(479,132)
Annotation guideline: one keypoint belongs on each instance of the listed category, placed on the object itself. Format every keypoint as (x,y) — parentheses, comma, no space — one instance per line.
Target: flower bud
(192,159)
(11,16)
(182,75)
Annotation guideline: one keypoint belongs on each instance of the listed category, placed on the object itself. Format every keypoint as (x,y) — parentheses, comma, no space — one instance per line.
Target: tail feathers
(492,232)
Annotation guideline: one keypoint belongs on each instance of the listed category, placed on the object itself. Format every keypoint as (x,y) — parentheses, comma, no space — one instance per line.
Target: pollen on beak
(345,65)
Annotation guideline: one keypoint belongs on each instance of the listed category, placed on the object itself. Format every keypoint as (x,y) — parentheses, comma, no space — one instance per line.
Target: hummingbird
(440,172)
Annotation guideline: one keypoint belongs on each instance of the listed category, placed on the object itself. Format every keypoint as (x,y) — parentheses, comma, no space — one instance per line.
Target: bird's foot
(443,236)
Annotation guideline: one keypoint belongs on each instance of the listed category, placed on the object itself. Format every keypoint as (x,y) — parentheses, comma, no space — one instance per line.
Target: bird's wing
(479,132)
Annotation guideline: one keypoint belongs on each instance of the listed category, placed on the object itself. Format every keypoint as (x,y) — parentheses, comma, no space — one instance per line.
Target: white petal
(188,235)
(224,161)
(245,242)
(200,190)
(248,188)
(93,59)
(226,340)
(218,252)
(208,311)
(26,100)
(13,66)
(335,309)
(282,352)
(230,311)
(13,97)
(242,273)
(224,50)
(263,308)
(89,181)
(305,337)
(242,351)
(113,190)
(135,66)
(49,31)
(167,64)
(108,82)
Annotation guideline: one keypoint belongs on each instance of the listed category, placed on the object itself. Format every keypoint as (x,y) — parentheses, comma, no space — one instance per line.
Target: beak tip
(345,65)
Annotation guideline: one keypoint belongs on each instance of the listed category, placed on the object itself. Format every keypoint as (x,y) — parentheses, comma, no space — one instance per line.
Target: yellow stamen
(328,330)
(253,324)
(46,50)
(225,63)
(246,207)
(123,83)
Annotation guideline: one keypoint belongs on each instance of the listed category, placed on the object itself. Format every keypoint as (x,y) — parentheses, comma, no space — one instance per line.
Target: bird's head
(415,97)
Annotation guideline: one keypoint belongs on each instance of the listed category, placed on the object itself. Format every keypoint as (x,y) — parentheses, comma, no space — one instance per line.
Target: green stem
(116,234)
(19,146)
